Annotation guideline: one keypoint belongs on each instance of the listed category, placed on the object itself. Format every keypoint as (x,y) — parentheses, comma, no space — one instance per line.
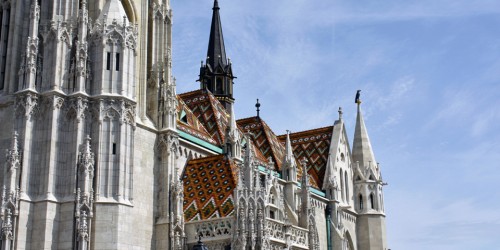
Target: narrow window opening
(346,183)
(219,85)
(372,205)
(360,202)
(117,61)
(4,35)
(342,185)
(108,61)
(114,148)
(262,180)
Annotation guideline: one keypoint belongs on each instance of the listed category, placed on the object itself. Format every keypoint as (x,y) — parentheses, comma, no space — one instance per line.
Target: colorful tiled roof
(314,145)
(189,123)
(209,112)
(208,188)
(265,139)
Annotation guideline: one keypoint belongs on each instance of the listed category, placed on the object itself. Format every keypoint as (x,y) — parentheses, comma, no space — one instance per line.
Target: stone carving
(78,106)
(84,195)
(114,33)
(218,228)
(10,193)
(123,110)
(27,105)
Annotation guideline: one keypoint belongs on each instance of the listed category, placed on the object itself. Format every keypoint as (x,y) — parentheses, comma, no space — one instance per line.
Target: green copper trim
(200,142)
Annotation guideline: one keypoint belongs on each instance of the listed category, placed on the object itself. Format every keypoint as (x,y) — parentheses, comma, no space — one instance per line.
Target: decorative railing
(210,230)
(299,236)
(287,234)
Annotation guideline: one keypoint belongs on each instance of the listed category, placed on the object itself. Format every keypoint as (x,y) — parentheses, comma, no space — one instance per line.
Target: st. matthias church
(100,152)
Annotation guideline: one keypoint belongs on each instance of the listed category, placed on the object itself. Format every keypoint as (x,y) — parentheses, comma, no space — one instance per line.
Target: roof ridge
(189,92)
(309,130)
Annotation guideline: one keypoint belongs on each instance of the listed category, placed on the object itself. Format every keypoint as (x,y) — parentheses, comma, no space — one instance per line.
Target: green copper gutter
(200,142)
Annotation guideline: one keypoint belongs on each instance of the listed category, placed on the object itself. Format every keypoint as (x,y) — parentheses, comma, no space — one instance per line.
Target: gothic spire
(289,165)
(216,54)
(362,150)
(288,149)
(216,75)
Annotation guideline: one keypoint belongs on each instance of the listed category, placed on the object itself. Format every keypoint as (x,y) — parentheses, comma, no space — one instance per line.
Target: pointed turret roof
(216,54)
(113,10)
(362,149)
(289,158)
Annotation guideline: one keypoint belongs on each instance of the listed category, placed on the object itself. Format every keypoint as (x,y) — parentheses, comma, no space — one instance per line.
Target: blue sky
(429,72)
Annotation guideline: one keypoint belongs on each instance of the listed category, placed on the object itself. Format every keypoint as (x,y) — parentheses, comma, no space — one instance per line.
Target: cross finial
(257,105)
(340,113)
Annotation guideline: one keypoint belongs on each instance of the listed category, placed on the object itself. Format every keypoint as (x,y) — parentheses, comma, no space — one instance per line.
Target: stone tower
(368,184)
(88,87)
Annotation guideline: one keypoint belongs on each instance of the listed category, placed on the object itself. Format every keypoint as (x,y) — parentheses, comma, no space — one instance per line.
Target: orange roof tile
(209,112)
(208,188)
(264,138)
(190,123)
(314,145)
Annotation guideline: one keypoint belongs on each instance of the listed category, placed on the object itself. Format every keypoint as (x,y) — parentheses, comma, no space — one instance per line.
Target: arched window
(360,201)
(346,183)
(342,185)
(372,202)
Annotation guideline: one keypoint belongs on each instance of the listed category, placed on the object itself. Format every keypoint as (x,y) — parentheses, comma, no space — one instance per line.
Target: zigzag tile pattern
(191,124)
(208,188)
(314,145)
(264,138)
(209,112)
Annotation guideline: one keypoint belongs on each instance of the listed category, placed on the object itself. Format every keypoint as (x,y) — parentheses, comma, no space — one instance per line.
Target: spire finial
(340,113)
(357,100)
(216,5)
(257,105)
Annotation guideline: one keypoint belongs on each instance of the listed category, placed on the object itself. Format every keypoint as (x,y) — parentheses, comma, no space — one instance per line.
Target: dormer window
(183,117)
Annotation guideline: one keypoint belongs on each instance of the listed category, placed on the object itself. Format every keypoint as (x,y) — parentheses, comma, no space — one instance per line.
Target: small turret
(233,139)
(113,51)
(248,172)
(306,203)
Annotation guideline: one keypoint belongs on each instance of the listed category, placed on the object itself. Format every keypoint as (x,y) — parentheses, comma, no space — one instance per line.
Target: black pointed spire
(216,75)
(216,54)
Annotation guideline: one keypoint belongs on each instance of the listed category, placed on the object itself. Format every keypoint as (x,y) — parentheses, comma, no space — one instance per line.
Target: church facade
(102,153)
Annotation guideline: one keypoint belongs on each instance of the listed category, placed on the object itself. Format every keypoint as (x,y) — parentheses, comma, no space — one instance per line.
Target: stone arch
(130,10)
(348,239)
(313,233)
